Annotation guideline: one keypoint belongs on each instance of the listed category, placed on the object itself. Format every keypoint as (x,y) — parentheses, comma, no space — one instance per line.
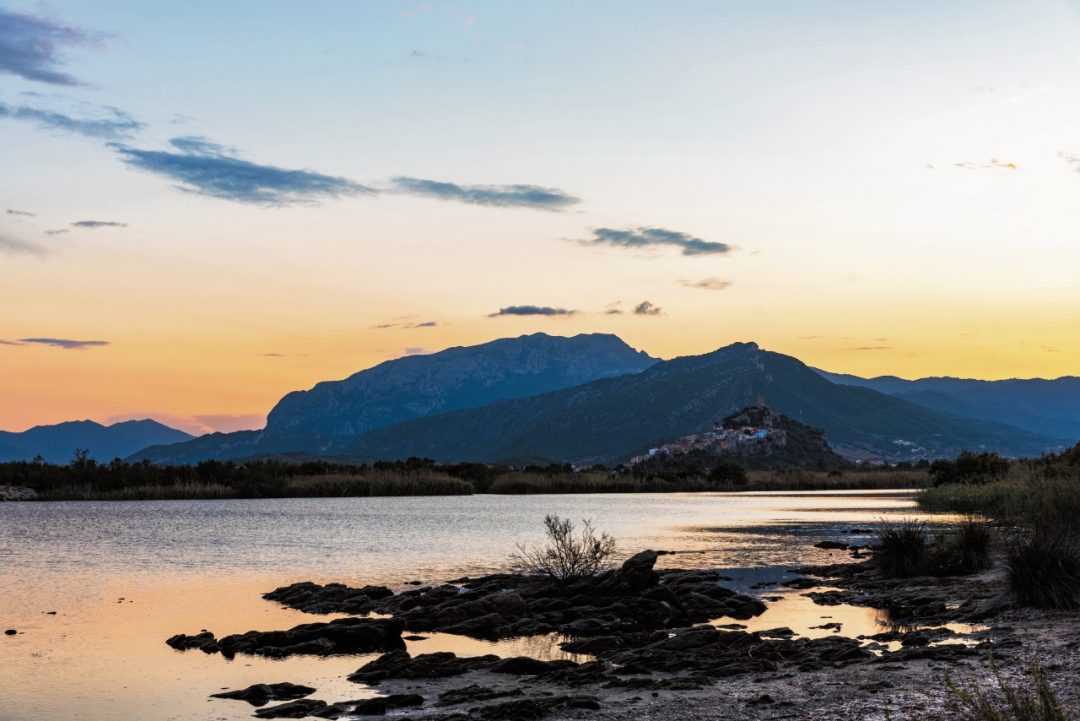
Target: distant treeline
(86,479)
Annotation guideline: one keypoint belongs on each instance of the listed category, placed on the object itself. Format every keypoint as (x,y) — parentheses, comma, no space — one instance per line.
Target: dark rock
(637,571)
(331,598)
(801,583)
(832,545)
(473,693)
(399,664)
(341,636)
(203,641)
(833,626)
(10,632)
(291,709)
(528,709)
(525,666)
(261,693)
(371,707)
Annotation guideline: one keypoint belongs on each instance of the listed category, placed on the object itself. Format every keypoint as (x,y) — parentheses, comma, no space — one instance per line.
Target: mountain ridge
(325,418)
(57,442)
(611,420)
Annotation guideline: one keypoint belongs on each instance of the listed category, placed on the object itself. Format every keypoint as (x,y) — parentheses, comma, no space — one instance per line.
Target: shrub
(902,549)
(1044,568)
(963,550)
(1011,703)
(969,467)
(566,556)
(728,473)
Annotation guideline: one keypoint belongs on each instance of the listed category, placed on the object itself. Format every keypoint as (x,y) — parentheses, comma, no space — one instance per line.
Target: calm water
(122,577)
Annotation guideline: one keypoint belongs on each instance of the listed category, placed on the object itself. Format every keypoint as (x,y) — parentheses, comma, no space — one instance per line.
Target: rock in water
(262,693)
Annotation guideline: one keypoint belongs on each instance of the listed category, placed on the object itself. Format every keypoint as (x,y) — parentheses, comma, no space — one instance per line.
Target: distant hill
(326,418)
(611,420)
(57,443)
(1044,407)
(801,446)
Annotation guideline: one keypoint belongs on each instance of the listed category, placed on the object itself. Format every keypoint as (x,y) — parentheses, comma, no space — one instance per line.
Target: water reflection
(123,577)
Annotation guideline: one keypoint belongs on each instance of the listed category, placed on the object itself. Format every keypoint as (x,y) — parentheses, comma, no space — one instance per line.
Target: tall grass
(1008,702)
(907,549)
(902,549)
(1026,495)
(1044,567)
(379,483)
(807,480)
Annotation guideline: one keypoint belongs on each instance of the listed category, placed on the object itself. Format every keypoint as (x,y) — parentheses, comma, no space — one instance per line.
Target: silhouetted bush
(902,549)
(1044,567)
(969,467)
(566,556)
(960,551)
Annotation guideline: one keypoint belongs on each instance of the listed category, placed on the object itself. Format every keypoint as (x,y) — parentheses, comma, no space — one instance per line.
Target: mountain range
(610,420)
(57,443)
(592,398)
(326,419)
(1046,407)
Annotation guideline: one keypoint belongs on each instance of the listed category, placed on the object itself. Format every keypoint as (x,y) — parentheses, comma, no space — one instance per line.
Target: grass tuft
(1044,568)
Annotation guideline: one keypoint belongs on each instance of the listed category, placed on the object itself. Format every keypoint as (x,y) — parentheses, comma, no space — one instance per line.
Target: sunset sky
(204,205)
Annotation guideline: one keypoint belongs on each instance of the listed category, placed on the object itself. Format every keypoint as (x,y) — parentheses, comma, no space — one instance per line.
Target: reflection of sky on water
(183,566)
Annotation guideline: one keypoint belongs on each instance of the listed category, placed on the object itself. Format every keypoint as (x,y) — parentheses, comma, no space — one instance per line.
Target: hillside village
(754,431)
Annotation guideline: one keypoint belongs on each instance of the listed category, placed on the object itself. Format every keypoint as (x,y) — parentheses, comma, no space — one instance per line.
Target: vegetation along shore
(85,479)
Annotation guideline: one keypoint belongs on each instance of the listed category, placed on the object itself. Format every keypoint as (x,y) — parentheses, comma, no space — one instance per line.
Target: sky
(206,205)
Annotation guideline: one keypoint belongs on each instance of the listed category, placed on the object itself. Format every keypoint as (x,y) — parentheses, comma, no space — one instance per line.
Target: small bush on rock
(566,555)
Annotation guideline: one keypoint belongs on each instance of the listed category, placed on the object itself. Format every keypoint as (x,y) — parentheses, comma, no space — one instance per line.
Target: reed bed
(379,483)
(806,480)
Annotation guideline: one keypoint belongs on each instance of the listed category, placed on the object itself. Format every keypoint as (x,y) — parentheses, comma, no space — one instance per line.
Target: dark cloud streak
(210,169)
(647,308)
(503,196)
(653,237)
(95,224)
(109,124)
(30,47)
(65,343)
(522,310)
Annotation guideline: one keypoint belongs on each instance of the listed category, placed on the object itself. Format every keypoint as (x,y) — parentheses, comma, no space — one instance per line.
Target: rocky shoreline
(648,646)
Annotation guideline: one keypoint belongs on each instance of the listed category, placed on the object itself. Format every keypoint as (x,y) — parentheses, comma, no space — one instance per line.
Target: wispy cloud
(871,347)
(207,168)
(31,47)
(532,310)
(283,355)
(416,350)
(65,343)
(713,283)
(614,309)
(24,213)
(994,164)
(405,323)
(647,308)
(104,122)
(56,231)
(15,246)
(653,237)
(1073,161)
(95,224)
(505,196)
